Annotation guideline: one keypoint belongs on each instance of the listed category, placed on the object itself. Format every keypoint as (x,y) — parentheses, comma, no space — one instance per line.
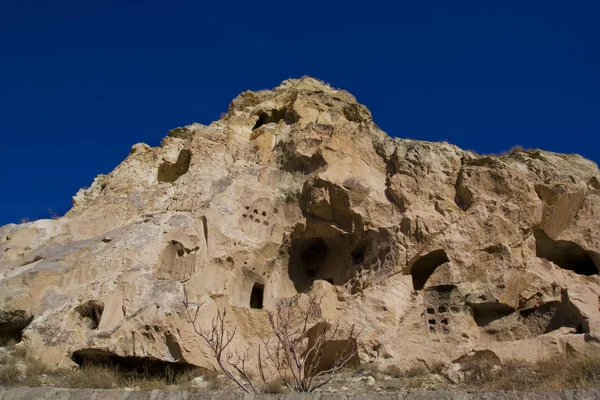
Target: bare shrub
(304,350)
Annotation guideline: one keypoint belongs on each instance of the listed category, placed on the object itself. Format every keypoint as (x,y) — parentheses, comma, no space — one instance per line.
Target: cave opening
(169,172)
(273,117)
(425,266)
(90,313)
(12,325)
(486,313)
(318,258)
(257,296)
(358,254)
(565,254)
(132,364)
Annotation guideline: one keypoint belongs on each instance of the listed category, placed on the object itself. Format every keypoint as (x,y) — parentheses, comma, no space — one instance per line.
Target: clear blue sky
(82,81)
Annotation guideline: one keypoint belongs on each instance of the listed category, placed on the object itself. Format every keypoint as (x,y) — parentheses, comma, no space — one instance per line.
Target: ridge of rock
(438,252)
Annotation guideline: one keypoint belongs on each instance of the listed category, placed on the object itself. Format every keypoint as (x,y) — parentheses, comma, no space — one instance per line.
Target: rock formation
(438,252)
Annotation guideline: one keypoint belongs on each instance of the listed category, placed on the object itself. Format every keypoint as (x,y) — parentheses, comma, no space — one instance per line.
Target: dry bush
(293,348)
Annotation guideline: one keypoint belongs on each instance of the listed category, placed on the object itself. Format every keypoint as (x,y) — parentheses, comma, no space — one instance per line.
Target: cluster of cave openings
(565,254)
(425,266)
(257,296)
(90,313)
(437,319)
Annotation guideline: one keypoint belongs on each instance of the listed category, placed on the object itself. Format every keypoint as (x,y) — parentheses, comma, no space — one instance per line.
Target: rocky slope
(441,254)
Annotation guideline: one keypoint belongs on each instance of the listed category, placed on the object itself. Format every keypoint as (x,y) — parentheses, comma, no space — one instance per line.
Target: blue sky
(80,81)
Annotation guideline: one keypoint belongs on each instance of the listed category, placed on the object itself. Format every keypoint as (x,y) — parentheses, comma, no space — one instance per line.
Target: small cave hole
(256,296)
(432,329)
(454,309)
(90,313)
(444,321)
(313,254)
(442,309)
(358,254)
(567,255)
(431,322)
(425,266)
(430,310)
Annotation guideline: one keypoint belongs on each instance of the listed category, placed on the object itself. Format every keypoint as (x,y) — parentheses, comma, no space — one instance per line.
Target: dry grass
(275,386)
(552,374)
(18,368)
(10,374)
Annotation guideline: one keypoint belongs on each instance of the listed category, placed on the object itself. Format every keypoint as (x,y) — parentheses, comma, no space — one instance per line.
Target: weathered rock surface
(438,252)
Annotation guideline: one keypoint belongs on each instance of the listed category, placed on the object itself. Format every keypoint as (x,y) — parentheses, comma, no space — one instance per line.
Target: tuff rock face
(438,252)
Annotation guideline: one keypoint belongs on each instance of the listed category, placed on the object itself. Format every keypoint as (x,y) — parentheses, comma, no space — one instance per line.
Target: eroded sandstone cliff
(438,252)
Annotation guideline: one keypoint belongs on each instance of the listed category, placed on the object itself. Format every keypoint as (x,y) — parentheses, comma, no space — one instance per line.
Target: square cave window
(256,296)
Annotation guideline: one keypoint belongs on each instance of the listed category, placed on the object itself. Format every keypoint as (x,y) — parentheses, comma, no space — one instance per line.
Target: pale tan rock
(435,252)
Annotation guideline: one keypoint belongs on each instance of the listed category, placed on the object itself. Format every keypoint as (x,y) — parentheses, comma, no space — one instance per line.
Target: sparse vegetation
(301,348)
(18,368)
(551,374)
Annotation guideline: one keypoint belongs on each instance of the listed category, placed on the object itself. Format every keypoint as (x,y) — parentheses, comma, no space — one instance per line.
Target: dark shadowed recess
(142,365)
(565,254)
(425,266)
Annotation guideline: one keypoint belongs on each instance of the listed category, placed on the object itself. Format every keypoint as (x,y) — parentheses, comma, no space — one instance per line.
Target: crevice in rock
(463,197)
(293,161)
(169,172)
(32,260)
(90,314)
(286,115)
(205,228)
(396,199)
(12,325)
(425,266)
(567,255)
(130,364)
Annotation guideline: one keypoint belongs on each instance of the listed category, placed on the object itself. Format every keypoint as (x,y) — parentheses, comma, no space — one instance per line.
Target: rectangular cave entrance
(257,295)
